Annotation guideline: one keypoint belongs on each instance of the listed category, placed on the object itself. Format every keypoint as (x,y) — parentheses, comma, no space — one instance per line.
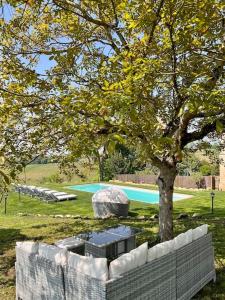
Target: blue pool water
(132,193)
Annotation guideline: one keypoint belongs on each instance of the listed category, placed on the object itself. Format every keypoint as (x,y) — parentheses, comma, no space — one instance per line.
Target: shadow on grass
(148,211)
(214,289)
(9,237)
(203,210)
(132,214)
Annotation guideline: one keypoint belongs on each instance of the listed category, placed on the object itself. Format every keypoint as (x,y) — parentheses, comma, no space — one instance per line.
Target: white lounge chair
(64,197)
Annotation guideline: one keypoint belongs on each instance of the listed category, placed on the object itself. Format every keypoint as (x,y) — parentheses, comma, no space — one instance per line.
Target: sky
(44,62)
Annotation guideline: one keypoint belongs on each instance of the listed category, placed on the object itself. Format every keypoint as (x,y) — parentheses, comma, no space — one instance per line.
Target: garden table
(109,243)
(72,244)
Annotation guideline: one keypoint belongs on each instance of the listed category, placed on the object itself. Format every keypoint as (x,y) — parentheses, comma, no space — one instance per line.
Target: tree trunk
(166,183)
(101,168)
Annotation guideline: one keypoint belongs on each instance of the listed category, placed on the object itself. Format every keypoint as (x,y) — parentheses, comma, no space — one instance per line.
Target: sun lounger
(44,193)
(39,192)
(63,197)
(49,195)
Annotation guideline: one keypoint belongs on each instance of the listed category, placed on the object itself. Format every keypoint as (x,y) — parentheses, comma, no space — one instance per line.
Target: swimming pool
(137,194)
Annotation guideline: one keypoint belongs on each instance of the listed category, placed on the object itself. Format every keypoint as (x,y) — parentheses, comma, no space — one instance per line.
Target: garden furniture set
(171,270)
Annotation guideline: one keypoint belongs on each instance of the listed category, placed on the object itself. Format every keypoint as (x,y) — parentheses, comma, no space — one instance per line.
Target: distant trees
(124,160)
(207,169)
(44,160)
(199,164)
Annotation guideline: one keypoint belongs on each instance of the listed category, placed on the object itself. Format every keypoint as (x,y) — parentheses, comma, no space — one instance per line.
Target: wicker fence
(206,182)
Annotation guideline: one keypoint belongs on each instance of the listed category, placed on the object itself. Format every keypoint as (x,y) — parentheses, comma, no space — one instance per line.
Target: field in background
(50,173)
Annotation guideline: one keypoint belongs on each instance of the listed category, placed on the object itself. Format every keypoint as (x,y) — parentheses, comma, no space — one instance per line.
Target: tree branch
(82,13)
(156,21)
(203,132)
(115,14)
(215,76)
(22,95)
(174,62)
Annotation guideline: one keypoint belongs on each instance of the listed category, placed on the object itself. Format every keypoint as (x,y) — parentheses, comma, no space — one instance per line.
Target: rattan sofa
(177,275)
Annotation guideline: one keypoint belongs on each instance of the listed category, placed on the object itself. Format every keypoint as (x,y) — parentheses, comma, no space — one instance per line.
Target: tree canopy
(146,73)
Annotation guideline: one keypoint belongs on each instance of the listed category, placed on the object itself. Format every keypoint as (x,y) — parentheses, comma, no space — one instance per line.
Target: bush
(120,163)
(209,169)
(198,180)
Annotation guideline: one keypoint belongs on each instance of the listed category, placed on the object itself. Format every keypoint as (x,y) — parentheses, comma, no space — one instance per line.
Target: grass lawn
(49,229)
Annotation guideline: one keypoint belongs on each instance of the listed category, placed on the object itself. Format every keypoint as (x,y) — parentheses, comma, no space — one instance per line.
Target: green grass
(46,228)
(81,206)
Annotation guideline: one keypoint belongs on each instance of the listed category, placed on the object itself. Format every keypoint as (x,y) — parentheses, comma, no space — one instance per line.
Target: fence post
(6,197)
(213,183)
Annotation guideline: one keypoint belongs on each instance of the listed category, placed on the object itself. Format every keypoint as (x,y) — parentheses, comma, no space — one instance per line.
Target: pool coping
(184,196)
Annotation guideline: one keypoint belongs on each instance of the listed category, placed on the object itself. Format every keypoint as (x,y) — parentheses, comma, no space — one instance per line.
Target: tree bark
(101,168)
(166,180)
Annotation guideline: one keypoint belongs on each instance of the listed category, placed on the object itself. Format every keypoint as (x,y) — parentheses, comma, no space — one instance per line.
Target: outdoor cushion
(53,253)
(152,253)
(188,236)
(28,246)
(128,261)
(94,267)
(183,239)
(179,241)
(199,231)
(122,264)
(160,250)
(140,254)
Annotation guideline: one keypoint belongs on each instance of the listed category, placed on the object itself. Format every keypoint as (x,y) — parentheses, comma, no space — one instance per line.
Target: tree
(18,144)
(209,169)
(192,164)
(143,73)
(122,161)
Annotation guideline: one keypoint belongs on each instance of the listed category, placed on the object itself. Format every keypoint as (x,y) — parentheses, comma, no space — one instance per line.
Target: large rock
(110,201)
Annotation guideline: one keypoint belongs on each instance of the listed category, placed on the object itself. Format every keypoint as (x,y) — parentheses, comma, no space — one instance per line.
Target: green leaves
(2,160)
(134,72)
(111,146)
(219,126)
(118,138)
(113,141)
(4,179)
